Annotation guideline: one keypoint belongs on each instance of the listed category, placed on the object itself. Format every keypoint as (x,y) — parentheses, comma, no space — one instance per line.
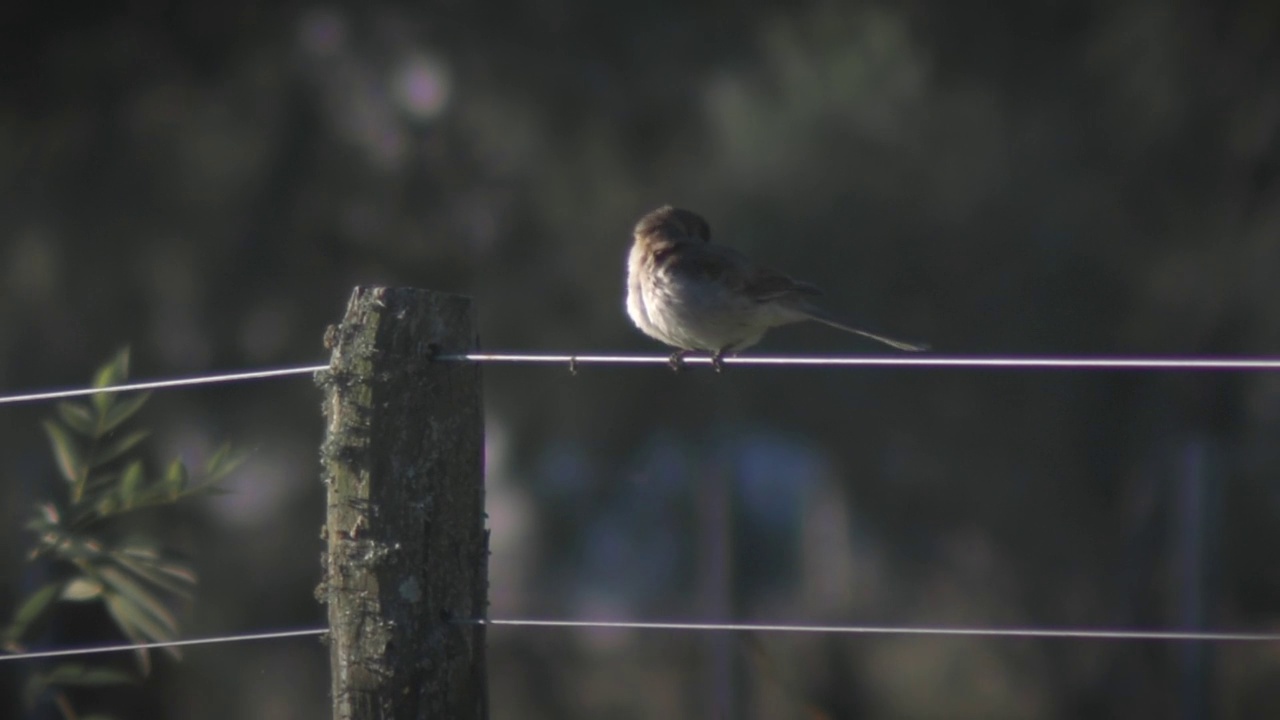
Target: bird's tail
(823,318)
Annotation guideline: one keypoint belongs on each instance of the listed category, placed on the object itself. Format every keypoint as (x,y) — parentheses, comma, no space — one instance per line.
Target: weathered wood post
(407,549)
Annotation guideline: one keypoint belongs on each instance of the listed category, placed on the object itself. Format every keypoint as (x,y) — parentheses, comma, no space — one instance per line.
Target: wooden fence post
(407,549)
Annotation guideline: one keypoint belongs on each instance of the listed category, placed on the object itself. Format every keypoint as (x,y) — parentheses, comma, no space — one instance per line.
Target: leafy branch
(101,463)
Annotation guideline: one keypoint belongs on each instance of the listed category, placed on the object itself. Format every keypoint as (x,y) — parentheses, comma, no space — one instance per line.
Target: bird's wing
(710,264)
(732,270)
(764,285)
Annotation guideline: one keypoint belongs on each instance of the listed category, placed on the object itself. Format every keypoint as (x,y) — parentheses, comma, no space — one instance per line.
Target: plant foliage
(100,459)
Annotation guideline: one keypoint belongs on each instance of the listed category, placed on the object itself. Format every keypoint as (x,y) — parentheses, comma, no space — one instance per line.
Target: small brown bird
(694,295)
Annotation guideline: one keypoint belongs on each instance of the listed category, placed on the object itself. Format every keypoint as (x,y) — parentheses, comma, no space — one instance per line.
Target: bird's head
(673,224)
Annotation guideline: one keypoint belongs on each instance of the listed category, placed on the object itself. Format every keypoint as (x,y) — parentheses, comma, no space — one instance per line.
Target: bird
(694,295)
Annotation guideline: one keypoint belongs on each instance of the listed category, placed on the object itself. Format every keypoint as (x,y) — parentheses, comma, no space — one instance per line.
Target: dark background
(206,182)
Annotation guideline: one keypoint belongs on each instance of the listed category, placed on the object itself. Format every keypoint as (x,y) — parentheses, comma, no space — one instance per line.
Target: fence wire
(574,362)
(986,632)
(913,360)
(160,384)
(94,650)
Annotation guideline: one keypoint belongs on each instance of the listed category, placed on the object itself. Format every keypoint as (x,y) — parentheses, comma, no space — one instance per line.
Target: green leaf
(146,603)
(46,519)
(88,675)
(204,486)
(88,510)
(122,410)
(175,578)
(82,589)
(107,505)
(218,457)
(119,447)
(120,611)
(130,481)
(76,674)
(78,417)
(146,556)
(137,626)
(65,452)
(140,550)
(32,610)
(73,547)
(101,481)
(48,530)
(223,462)
(114,372)
(175,479)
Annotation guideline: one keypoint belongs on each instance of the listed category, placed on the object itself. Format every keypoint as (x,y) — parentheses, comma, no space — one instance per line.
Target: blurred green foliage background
(207,181)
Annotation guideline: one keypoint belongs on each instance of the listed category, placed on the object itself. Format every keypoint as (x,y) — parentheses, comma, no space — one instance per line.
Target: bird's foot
(717,360)
(676,361)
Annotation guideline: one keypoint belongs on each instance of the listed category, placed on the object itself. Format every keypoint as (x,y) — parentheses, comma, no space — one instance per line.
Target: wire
(1169,635)
(912,360)
(154,384)
(171,643)
(1051,363)
(879,630)
(576,361)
